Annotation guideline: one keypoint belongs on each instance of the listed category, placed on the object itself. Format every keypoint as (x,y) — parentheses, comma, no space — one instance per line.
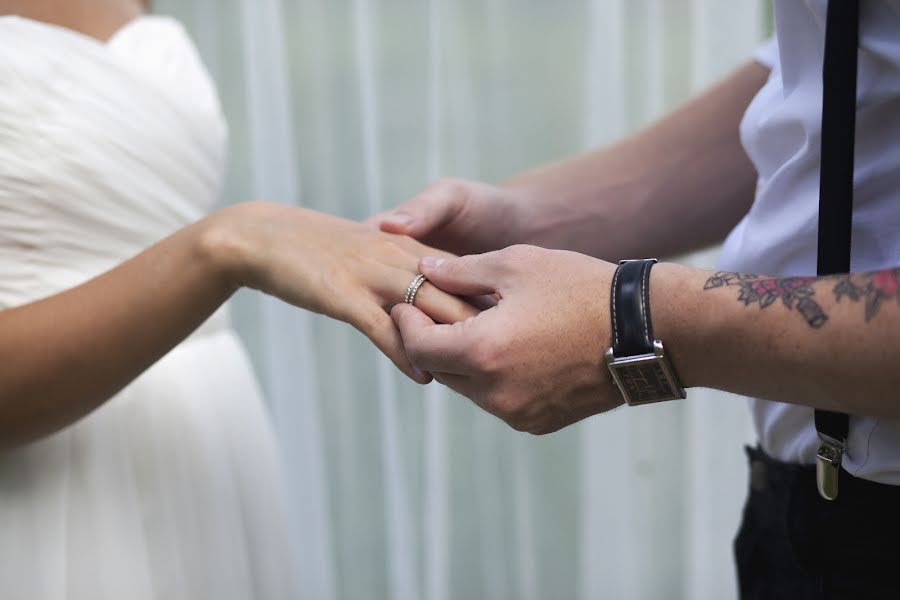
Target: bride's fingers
(443,307)
(371,320)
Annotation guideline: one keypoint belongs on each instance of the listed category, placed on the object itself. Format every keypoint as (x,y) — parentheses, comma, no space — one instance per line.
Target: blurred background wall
(401,492)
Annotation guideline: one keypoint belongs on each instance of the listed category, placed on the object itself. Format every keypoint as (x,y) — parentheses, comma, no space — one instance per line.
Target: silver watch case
(645,378)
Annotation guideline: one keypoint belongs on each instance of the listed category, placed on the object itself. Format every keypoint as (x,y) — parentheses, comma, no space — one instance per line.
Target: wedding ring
(413,288)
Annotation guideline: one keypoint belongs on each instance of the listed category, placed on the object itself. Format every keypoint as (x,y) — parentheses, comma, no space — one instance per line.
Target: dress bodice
(172,488)
(105,148)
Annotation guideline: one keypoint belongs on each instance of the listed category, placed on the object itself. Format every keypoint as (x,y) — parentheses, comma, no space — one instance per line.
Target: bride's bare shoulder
(100,19)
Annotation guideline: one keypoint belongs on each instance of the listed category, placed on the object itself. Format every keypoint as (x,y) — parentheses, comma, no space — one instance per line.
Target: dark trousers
(794,545)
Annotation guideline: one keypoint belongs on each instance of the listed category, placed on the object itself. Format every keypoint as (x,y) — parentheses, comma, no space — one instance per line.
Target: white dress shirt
(781,132)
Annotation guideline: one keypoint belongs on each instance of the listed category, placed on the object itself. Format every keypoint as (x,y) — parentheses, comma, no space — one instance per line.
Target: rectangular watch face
(645,379)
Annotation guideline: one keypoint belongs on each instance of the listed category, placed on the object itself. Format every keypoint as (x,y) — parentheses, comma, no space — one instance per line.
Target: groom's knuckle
(510,258)
(520,426)
(506,406)
(539,425)
(503,258)
(447,188)
(447,196)
(521,253)
(485,358)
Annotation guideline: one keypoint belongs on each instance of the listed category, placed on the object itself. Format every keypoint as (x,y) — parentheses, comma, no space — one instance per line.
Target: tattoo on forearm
(874,290)
(794,292)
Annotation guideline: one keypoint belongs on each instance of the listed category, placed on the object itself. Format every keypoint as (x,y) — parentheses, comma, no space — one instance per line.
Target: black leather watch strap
(630,308)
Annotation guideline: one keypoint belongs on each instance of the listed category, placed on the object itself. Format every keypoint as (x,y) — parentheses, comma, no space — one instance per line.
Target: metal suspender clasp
(828,465)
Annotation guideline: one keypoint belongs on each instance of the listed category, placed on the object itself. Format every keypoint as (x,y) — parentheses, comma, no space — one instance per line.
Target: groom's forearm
(679,184)
(828,342)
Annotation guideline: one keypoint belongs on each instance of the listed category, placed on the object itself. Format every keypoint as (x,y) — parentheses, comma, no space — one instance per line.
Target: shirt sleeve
(767,54)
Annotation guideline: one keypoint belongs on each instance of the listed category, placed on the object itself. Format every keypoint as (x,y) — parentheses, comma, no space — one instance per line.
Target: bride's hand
(331,266)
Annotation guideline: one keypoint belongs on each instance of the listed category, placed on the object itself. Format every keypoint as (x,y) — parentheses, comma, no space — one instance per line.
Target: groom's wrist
(682,319)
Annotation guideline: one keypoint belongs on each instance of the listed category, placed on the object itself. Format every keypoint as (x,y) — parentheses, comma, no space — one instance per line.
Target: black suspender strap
(836,199)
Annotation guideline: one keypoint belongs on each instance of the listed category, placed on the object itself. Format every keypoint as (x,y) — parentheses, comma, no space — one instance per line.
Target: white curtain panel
(403,492)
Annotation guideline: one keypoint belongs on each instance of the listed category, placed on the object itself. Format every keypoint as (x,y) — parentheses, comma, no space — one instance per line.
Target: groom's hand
(536,359)
(462,217)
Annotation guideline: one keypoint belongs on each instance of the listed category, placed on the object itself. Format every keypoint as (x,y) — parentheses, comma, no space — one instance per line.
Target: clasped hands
(535,358)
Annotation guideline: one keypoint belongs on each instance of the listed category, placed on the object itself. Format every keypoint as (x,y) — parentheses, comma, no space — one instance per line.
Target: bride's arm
(65,355)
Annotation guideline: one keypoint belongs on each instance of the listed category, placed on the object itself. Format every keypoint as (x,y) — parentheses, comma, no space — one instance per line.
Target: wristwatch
(638,362)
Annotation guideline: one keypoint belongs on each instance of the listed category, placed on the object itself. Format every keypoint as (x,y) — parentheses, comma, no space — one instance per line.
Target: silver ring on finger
(413,288)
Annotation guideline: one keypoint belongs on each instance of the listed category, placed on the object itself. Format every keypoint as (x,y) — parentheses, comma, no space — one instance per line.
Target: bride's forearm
(65,355)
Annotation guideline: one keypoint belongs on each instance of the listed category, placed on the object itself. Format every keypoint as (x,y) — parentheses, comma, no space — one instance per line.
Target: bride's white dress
(172,489)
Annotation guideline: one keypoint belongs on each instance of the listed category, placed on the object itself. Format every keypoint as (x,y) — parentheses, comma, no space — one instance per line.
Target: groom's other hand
(462,217)
(536,359)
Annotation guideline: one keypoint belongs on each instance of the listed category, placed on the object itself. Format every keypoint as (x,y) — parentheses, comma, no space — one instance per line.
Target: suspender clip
(828,465)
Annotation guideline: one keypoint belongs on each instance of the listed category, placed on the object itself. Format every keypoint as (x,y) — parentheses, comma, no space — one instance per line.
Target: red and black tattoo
(872,289)
(794,292)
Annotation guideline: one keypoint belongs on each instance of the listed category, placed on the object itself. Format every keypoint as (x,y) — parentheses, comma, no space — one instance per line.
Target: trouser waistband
(854,530)
(768,472)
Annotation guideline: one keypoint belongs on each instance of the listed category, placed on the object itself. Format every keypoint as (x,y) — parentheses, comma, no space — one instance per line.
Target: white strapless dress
(171,490)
